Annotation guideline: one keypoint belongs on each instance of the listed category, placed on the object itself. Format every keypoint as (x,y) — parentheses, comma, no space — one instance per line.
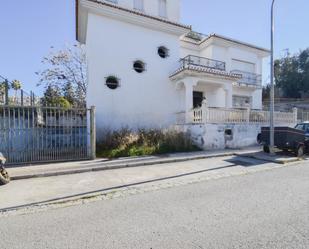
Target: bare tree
(66,67)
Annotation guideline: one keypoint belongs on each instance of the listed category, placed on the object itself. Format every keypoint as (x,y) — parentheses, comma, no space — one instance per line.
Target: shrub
(126,142)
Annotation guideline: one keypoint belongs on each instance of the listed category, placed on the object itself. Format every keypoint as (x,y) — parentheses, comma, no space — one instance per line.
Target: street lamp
(272,88)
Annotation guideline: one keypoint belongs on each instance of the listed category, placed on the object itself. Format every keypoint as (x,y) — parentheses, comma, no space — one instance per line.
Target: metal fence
(10,96)
(30,134)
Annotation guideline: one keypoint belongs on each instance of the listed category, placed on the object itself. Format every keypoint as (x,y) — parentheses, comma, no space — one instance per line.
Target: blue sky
(29,28)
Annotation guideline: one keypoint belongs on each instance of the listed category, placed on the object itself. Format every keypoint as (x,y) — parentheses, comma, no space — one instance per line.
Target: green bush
(125,142)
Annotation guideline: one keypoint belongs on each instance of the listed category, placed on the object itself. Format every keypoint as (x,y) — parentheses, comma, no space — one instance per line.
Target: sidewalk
(56,169)
(34,194)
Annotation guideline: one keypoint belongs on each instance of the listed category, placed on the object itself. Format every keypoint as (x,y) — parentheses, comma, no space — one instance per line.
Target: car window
(299,127)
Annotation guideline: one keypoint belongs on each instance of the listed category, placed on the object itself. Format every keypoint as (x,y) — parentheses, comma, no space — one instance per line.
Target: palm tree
(3,86)
(16,85)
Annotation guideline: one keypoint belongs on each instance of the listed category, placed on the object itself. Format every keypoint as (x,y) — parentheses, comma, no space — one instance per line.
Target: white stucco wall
(151,7)
(146,99)
(213,136)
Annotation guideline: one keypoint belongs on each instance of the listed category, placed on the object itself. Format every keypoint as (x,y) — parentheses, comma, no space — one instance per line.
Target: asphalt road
(268,209)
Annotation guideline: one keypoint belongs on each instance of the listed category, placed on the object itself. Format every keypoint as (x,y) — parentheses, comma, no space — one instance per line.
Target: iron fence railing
(30,134)
(192,60)
(248,78)
(17,97)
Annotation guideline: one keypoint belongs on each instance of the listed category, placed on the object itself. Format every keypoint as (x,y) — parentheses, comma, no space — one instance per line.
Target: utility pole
(272,87)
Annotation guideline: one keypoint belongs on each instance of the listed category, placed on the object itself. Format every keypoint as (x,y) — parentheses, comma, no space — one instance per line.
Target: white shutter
(162,8)
(139,5)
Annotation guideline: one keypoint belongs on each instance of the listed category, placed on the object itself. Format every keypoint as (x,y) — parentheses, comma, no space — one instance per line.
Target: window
(162,8)
(242,101)
(243,66)
(139,5)
(163,52)
(112,82)
(139,66)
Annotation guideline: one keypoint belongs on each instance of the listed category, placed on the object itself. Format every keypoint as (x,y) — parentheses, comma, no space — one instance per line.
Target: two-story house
(144,66)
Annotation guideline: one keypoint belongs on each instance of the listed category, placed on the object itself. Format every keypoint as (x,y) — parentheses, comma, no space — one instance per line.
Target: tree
(69,93)
(66,70)
(53,97)
(266,92)
(292,74)
(3,89)
(16,85)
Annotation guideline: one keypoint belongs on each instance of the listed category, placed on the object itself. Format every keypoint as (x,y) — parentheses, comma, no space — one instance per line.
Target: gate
(30,134)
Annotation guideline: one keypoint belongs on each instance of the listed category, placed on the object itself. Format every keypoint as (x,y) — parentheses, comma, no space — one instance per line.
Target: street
(267,209)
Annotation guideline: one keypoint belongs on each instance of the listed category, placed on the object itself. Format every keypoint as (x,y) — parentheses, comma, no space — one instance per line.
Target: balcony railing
(203,62)
(248,78)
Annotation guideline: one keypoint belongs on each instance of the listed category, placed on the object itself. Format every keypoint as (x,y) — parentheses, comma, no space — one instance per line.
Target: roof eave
(181,27)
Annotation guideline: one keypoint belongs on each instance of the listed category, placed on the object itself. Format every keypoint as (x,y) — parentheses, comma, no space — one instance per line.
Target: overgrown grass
(127,143)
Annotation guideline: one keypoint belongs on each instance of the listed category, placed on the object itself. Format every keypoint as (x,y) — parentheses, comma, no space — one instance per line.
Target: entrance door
(197,99)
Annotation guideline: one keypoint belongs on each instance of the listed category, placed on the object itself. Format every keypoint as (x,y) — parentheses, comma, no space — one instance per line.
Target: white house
(144,66)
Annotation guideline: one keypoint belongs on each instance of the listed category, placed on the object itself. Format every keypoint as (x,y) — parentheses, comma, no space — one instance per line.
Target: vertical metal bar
(92,133)
(13,137)
(6,92)
(9,134)
(22,97)
(32,135)
(272,90)
(18,135)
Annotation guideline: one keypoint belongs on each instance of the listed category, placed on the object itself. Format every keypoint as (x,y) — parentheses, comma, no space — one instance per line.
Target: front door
(197,99)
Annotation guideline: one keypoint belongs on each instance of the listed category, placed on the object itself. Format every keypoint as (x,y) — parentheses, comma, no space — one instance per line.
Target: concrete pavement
(56,169)
(264,210)
(76,188)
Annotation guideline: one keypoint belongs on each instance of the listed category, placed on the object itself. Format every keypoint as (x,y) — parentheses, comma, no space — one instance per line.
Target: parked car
(304,126)
(4,176)
(287,138)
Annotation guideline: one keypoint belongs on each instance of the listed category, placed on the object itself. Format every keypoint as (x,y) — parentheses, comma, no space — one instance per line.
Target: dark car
(287,138)
(304,127)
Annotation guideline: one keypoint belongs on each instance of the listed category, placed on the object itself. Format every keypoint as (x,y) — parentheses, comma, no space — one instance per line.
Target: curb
(120,166)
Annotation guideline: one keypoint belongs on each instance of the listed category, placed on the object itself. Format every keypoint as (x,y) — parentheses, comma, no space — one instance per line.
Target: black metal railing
(248,78)
(192,60)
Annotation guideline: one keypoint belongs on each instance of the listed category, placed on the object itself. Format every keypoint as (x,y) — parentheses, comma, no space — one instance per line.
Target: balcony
(195,65)
(248,78)
(202,62)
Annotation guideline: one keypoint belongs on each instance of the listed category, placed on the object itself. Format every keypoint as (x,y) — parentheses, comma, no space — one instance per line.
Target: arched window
(162,8)
(139,5)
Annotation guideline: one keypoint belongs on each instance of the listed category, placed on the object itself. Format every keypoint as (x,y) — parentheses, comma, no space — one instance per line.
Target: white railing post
(248,110)
(295,115)
(204,111)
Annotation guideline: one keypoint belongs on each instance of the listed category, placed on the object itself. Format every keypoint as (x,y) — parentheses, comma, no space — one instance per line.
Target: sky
(29,29)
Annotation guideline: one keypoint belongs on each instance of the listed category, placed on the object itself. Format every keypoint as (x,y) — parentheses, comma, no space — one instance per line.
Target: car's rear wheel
(4,176)
(300,151)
